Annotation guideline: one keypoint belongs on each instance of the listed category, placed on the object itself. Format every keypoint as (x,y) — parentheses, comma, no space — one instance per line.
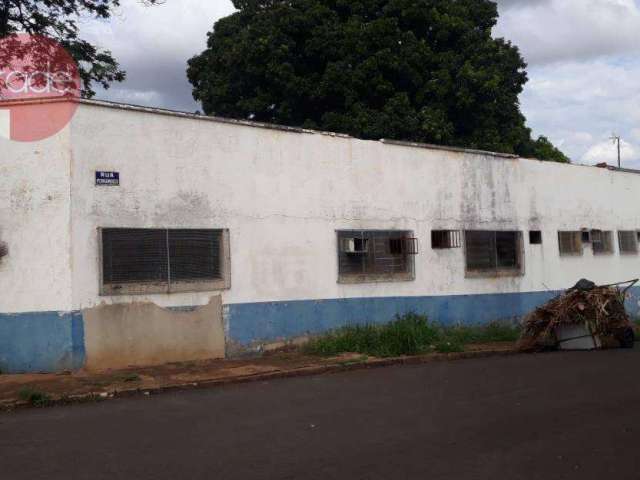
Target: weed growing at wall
(34,397)
(408,335)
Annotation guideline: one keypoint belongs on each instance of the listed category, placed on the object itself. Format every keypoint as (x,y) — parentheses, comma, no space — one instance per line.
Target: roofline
(245,123)
(283,128)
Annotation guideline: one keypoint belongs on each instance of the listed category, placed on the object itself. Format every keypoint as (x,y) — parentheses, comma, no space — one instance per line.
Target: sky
(583,57)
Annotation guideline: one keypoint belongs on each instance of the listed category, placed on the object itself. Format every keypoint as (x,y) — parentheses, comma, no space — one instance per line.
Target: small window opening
(586,236)
(443,239)
(535,237)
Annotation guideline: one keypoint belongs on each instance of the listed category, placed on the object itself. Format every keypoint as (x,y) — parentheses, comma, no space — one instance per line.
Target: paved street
(553,416)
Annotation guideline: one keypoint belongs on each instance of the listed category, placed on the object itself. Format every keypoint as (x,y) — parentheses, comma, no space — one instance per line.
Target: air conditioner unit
(354,245)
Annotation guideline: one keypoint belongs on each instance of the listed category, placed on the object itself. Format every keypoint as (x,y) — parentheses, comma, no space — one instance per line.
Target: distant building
(139,236)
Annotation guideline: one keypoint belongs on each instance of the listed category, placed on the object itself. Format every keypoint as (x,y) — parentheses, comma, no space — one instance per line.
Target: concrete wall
(39,331)
(139,334)
(283,194)
(35,222)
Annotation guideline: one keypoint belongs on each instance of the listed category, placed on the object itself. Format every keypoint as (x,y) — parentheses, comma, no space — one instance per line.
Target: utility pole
(616,139)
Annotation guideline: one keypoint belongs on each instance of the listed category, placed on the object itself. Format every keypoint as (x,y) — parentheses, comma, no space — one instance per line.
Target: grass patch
(132,377)
(34,397)
(410,334)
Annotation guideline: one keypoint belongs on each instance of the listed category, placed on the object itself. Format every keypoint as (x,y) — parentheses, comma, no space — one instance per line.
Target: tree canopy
(58,20)
(418,70)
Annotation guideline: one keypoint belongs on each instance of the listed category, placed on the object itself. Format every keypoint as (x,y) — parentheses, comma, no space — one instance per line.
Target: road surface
(552,416)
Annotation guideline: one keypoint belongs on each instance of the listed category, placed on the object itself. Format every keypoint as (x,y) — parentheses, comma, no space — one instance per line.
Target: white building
(139,236)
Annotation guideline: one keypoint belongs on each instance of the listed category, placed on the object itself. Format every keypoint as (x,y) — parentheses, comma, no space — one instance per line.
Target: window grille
(602,242)
(628,241)
(492,251)
(159,260)
(367,253)
(443,239)
(570,243)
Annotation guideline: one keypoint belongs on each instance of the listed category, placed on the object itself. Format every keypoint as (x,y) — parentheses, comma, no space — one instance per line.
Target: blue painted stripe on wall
(41,342)
(54,341)
(254,322)
(264,322)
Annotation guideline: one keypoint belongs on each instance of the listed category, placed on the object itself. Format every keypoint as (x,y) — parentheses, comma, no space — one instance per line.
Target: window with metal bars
(493,253)
(443,239)
(602,242)
(138,261)
(570,243)
(384,255)
(628,241)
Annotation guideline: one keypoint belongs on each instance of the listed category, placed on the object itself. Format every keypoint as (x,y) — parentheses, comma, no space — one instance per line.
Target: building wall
(283,194)
(38,328)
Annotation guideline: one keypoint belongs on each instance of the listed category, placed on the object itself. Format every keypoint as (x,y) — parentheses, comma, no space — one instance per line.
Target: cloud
(153,45)
(580,104)
(606,151)
(550,31)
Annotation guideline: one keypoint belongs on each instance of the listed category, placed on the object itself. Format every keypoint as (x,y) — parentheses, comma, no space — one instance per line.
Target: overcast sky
(583,55)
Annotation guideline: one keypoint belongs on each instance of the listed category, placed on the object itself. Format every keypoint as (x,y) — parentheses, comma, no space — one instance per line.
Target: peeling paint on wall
(144,334)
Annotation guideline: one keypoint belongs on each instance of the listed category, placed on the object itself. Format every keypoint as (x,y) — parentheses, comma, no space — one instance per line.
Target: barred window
(570,243)
(628,241)
(444,239)
(493,252)
(602,242)
(383,255)
(139,261)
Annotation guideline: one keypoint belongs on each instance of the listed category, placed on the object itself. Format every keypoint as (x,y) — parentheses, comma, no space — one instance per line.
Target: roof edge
(446,148)
(272,126)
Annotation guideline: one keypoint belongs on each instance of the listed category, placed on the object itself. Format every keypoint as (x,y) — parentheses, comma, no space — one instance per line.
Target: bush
(410,334)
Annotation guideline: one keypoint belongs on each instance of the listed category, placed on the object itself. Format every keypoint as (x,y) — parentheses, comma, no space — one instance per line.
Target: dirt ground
(79,386)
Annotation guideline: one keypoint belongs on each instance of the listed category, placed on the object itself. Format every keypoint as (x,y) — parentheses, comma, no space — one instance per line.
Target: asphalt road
(552,416)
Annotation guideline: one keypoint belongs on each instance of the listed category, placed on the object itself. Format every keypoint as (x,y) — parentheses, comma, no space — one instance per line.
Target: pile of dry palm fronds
(600,309)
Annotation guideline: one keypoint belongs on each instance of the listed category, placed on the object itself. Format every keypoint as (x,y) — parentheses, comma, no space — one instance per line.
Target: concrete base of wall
(143,334)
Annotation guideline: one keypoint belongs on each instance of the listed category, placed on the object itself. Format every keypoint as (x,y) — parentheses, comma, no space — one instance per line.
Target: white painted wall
(35,222)
(283,195)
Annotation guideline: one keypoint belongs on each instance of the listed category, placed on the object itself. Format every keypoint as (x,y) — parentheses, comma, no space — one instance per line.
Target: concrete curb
(11,405)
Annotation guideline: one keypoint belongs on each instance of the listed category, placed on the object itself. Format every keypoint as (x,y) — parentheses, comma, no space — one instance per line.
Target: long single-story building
(139,236)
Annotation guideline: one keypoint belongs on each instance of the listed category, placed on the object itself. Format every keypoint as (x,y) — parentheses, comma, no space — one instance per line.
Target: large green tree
(58,20)
(419,70)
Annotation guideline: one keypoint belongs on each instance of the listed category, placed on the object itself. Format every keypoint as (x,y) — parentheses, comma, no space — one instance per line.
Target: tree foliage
(420,70)
(58,20)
